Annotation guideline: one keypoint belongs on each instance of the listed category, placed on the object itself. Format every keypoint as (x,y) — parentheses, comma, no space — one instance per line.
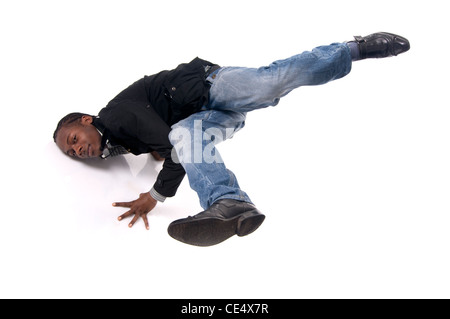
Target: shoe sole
(212,231)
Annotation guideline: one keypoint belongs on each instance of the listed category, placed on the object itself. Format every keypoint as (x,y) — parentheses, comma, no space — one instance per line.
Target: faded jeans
(234,92)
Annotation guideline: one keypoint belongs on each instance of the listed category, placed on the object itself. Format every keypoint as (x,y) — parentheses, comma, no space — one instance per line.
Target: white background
(353,176)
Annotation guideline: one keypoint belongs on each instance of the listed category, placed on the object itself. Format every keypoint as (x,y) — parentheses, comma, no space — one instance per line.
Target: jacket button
(174,88)
(148,106)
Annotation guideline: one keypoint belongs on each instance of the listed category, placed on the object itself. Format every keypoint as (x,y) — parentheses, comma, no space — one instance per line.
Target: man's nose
(78,150)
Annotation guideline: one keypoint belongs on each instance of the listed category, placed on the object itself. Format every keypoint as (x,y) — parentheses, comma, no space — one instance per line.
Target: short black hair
(68,119)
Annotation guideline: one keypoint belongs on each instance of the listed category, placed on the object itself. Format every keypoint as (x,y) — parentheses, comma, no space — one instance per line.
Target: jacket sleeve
(138,122)
(169,179)
(154,132)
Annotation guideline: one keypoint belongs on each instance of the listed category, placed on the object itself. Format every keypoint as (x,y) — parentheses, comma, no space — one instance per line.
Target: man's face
(80,139)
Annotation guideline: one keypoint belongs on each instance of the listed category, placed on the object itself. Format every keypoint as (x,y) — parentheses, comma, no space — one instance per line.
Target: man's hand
(139,208)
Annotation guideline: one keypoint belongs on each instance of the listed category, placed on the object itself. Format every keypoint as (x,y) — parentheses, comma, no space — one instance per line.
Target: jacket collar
(108,149)
(97,122)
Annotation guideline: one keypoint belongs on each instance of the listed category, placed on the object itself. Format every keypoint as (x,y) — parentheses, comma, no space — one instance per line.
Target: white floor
(353,176)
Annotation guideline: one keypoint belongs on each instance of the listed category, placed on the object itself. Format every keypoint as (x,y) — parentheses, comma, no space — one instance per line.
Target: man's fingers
(123,204)
(127,214)
(135,218)
(144,217)
(139,208)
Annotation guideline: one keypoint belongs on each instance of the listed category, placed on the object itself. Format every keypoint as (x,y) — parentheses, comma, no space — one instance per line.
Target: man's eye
(74,138)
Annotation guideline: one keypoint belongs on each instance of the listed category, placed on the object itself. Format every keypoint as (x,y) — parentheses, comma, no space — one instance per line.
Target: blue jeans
(234,92)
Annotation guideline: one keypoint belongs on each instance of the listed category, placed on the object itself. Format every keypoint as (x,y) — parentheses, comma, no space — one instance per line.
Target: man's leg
(194,140)
(228,209)
(246,89)
(235,91)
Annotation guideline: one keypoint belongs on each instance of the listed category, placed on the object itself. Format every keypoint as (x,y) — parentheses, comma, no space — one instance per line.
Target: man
(180,115)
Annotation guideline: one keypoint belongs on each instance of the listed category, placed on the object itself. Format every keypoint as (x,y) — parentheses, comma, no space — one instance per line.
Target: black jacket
(139,118)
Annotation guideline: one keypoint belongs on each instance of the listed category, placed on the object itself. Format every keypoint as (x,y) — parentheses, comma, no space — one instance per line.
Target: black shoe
(225,218)
(381,45)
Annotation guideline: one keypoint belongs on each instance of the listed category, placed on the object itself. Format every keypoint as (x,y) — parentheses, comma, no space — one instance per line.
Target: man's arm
(143,125)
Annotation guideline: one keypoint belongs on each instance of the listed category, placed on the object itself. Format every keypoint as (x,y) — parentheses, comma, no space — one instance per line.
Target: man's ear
(86,119)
